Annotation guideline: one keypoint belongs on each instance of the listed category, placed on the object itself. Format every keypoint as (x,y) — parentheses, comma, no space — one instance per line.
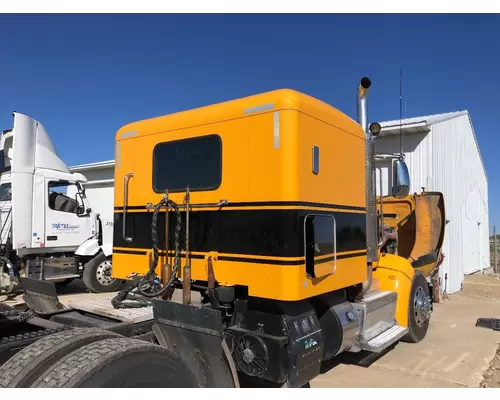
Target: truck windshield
(6,192)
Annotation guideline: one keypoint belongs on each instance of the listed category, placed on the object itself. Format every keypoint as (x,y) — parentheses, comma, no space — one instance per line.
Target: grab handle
(125,201)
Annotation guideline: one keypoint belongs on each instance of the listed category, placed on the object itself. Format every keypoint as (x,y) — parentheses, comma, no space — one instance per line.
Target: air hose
(154,236)
(146,285)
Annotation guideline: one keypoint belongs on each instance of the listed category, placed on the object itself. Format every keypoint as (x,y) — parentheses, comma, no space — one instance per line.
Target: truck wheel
(119,363)
(97,275)
(419,311)
(22,369)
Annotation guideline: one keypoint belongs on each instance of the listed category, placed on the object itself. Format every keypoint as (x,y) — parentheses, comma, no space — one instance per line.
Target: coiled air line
(145,286)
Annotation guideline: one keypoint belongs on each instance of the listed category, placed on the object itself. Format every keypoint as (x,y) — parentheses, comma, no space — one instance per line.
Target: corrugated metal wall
(447,160)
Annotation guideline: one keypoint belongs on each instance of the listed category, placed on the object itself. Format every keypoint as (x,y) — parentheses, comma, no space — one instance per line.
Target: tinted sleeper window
(193,162)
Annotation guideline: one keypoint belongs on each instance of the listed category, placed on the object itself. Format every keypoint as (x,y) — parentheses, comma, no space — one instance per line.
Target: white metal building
(100,176)
(100,192)
(442,155)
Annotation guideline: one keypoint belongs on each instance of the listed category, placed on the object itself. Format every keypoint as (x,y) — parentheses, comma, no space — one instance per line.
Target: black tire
(22,369)
(119,363)
(417,327)
(92,278)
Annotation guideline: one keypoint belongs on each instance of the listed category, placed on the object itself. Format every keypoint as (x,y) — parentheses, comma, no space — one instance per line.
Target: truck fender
(107,249)
(88,248)
(395,274)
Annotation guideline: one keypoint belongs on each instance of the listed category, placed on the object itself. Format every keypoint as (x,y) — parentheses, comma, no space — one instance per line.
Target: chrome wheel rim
(103,273)
(421,307)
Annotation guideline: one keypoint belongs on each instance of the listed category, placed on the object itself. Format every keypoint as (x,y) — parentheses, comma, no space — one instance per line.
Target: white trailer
(49,228)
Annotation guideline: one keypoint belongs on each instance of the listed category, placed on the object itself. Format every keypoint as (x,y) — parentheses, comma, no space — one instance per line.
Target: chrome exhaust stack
(370,182)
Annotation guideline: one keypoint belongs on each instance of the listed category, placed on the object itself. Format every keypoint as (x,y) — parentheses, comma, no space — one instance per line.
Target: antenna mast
(401,110)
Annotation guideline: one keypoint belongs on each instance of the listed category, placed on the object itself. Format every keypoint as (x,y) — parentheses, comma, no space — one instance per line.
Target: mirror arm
(394,156)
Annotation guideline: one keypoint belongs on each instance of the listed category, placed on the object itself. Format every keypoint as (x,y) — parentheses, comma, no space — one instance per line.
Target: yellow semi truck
(261,214)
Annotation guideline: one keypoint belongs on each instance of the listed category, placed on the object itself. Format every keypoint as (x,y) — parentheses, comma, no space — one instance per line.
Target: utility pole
(495,268)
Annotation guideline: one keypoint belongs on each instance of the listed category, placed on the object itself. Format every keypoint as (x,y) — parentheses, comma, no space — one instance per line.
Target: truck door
(5,211)
(67,222)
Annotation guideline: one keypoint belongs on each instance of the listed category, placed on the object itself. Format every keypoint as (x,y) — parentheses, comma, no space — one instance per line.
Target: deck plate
(100,304)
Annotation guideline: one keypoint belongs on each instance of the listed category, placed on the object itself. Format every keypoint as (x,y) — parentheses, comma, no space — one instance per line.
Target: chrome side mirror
(401,179)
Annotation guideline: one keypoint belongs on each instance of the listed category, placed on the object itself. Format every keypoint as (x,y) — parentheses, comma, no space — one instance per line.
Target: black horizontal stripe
(339,257)
(296,204)
(324,260)
(134,252)
(260,260)
(269,233)
(351,255)
(120,208)
(248,259)
(272,204)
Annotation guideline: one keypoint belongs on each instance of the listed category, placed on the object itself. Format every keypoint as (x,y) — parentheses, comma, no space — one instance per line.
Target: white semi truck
(49,229)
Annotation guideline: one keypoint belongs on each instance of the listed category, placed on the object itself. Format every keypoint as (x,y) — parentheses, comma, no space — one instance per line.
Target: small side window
(62,197)
(320,246)
(315,160)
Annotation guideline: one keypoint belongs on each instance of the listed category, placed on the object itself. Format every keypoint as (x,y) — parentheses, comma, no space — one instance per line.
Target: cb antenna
(401,110)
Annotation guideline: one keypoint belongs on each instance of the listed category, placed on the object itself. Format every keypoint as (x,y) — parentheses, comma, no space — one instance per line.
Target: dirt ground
(455,352)
(482,287)
(492,376)
(486,288)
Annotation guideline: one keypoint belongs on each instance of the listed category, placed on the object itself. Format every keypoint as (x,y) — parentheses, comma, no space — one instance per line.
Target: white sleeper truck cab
(49,230)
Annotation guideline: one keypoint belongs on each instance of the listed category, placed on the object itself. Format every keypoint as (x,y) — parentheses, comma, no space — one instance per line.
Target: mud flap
(195,333)
(489,323)
(41,297)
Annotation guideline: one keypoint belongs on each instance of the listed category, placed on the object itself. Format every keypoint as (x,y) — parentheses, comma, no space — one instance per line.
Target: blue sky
(84,76)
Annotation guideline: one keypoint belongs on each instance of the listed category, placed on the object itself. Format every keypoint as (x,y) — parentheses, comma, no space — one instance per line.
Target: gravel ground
(492,376)
(487,288)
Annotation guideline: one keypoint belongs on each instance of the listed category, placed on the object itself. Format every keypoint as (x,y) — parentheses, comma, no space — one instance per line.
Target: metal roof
(91,166)
(422,124)
(427,119)
(417,124)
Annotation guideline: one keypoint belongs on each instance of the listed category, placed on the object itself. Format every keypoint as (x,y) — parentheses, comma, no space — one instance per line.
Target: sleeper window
(194,162)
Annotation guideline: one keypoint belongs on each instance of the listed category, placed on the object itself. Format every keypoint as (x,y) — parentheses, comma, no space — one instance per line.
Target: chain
(23,317)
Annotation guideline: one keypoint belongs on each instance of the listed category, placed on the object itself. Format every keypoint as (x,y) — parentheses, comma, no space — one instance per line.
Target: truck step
(376,316)
(62,277)
(385,339)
